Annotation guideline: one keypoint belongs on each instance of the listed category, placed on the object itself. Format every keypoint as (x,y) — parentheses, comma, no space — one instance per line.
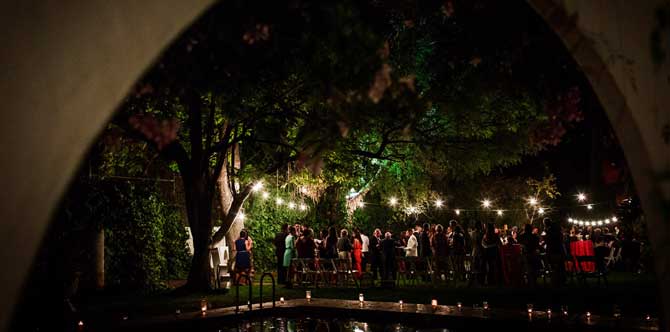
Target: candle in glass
(648,317)
(308,296)
(588,315)
(361,299)
(530,308)
(485,305)
(459,305)
(400,303)
(281,300)
(203,306)
(434,303)
(549,313)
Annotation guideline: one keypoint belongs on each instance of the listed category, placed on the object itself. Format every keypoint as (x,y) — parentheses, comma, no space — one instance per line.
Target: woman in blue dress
(289,253)
(242,257)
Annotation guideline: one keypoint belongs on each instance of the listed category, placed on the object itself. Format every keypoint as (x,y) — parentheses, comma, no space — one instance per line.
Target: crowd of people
(483,248)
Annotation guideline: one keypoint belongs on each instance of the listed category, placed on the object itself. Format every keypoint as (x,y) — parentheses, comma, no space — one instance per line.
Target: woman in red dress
(358,253)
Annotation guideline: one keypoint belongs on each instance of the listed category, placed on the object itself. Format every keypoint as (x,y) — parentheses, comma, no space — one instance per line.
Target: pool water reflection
(308,324)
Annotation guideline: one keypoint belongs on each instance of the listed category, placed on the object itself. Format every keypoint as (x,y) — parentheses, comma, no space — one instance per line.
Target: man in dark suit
(388,253)
(280,247)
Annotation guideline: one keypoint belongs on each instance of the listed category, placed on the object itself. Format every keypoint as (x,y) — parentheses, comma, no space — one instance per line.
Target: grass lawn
(634,294)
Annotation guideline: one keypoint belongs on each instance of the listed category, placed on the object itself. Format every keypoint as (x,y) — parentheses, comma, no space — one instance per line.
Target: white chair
(220,270)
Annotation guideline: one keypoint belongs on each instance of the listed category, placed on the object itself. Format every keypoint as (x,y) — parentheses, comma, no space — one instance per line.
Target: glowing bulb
(438,203)
(361,204)
(486,203)
(590,207)
(457,211)
(241,216)
(540,210)
(570,220)
(500,212)
(303,207)
(393,201)
(581,197)
(532,201)
(614,219)
(279,201)
(258,186)
(411,209)
(265,195)
(291,205)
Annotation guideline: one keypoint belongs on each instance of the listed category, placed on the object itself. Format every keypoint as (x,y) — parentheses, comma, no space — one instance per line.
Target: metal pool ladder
(272,278)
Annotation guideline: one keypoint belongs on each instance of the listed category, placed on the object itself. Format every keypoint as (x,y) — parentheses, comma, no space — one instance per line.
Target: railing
(237,293)
(272,278)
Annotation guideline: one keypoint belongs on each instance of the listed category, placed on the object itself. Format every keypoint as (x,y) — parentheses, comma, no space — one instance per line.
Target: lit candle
(80,326)
(361,299)
(459,305)
(485,305)
(400,303)
(281,300)
(648,317)
(177,312)
(308,296)
(564,309)
(203,306)
(588,315)
(530,309)
(549,313)
(434,303)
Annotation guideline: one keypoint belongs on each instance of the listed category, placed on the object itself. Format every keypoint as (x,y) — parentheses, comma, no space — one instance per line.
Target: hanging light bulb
(486,203)
(589,206)
(570,220)
(500,213)
(457,211)
(438,203)
(393,201)
(581,197)
(279,201)
(303,207)
(241,216)
(265,195)
(361,204)
(257,186)
(540,210)
(532,201)
(614,219)
(291,205)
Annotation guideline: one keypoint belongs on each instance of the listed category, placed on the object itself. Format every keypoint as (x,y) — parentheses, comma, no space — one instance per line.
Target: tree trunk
(199,209)
(100,259)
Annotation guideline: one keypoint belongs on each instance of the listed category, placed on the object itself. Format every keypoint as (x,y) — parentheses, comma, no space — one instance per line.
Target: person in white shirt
(365,250)
(411,250)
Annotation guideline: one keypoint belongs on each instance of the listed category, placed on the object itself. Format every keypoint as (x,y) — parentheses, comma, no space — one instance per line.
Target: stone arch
(68,64)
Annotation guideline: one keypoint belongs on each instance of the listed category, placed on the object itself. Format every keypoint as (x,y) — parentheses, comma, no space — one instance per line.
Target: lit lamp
(203,306)
(361,299)
(308,296)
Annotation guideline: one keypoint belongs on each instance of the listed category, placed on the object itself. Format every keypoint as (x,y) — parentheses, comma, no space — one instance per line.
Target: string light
(532,201)
(438,203)
(599,222)
(279,201)
(486,203)
(257,186)
(241,216)
(361,204)
(500,212)
(291,205)
(581,197)
(457,211)
(393,201)
(540,210)
(589,206)
(303,207)
(265,195)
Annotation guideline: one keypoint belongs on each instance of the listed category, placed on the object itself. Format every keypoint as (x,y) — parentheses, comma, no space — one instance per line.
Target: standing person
(330,244)
(365,251)
(424,241)
(457,251)
(477,253)
(305,245)
(289,253)
(375,253)
(388,256)
(441,250)
(491,243)
(280,248)
(344,247)
(530,244)
(357,253)
(555,252)
(242,258)
(411,250)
